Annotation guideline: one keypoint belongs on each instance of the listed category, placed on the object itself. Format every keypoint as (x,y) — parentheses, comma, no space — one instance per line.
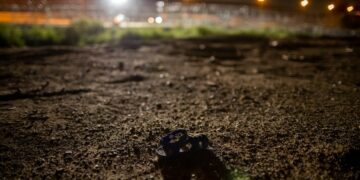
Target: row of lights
(157,20)
(151,20)
(120,18)
(330,7)
(303,3)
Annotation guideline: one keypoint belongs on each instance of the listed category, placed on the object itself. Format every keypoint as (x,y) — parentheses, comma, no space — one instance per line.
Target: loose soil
(271,109)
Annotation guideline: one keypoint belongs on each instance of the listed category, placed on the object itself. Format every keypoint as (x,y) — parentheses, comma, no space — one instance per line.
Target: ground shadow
(37,94)
(351,160)
(201,164)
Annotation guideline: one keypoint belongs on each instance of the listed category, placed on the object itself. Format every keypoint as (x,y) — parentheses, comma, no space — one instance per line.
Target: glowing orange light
(39,18)
(331,7)
(304,3)
(350,8)
(260,1)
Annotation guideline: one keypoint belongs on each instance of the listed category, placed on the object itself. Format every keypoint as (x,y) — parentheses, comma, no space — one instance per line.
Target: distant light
(274,43)
(331,7)
(158,20)
(261,1)
(160,4)
(304,3)
(119,18)
(151,20)
(118,2)
(350,8)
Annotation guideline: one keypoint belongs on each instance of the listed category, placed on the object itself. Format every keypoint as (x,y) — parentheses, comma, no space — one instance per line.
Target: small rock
(254,71)
(210,83)
(59,172)
(285,57)
(96,167)
(169,83)
(212,59)
(68,152)
(349,50)
(162,76)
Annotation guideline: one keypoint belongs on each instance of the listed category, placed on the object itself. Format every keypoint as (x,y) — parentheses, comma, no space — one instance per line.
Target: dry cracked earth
(271,108)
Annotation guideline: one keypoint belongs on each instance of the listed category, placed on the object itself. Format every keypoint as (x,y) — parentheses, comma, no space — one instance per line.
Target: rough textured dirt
(272,109)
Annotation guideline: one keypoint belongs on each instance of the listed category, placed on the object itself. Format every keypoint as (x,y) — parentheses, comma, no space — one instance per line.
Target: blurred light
(119,18)
(350,8)
(151,20)
(118,2)
(331,7)
(304,3)
(158,20)
(274,43)
(260,1)
(160,4)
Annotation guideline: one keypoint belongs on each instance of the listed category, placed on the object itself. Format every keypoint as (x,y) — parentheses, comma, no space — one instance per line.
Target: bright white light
(331,7)
(350,8)
(160,4)
(151,20)
(119,18)
(118,2)
(304,3)
(158,20)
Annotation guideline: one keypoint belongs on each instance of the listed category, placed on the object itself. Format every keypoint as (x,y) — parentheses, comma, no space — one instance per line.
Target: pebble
(68,152)
(349,50)
(96,167)
(169,83)
(210,83)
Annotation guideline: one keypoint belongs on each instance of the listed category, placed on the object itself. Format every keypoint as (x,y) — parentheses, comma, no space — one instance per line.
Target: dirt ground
(272,109)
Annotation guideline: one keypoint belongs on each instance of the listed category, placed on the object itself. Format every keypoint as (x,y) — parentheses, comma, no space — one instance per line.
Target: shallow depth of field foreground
(271,109)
